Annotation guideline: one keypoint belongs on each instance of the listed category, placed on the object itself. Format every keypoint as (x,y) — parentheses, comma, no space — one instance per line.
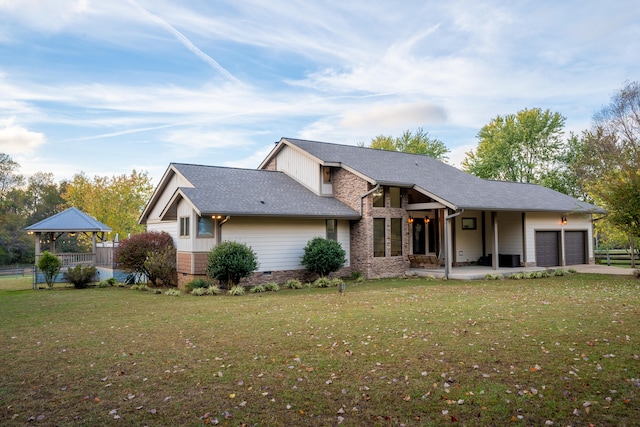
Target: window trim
(184,226)
(212,235)
(376,241)
(376,194)
(335,229)
(397,222)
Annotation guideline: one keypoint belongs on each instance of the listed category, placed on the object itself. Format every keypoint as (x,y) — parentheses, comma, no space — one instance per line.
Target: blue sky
(105,87)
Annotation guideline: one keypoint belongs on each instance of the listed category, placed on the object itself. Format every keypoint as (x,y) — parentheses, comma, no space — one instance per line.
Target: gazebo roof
(70,220)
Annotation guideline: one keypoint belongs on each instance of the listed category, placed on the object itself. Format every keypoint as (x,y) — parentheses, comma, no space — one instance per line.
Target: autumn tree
(415,143)
(610,169)
(521,147)
(117,201)
(15,245)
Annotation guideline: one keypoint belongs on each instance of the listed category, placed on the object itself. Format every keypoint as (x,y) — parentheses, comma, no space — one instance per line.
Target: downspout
(447,243)
(365,195)
(220,224)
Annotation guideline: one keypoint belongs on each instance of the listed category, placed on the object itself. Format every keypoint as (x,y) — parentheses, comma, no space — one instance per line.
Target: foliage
(611,163)
(322,282)
(80,276)
(323,256)
(231,261)
(494,276)
(140,287)
(271,287)
(236,290)
(214,290)
(293,284)
(408,142)
(50,266)
(521,147)
(152,253)
(115,201)
(173,292)
(257,289)
(198,282)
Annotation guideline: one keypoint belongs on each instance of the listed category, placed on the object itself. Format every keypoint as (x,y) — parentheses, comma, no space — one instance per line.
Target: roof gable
(72,219)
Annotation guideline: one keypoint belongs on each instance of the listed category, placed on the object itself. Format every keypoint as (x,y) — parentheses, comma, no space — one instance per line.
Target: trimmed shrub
(50,266)
(231,261)
(152,253)
(323,256)
(80,276)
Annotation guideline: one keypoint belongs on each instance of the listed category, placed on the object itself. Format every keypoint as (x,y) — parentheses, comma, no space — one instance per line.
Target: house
(389,211)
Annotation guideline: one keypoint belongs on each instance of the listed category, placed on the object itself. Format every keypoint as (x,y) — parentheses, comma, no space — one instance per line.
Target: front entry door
(419,247)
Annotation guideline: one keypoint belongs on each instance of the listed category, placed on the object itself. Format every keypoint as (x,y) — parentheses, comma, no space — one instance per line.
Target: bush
(323,256)
(152,253)
(322,282)
(214,290)
(236,290)
(198,283)
(50,266)
(257,289)
(293,284)
(173,292)
(80,276)
(272,287)
(231,261)
(199,291)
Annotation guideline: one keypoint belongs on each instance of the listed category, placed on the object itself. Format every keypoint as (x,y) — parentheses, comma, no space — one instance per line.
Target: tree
(231,261)
(50,266)
(152,253)
(323,256)
(8,177)
(610,167)
(521,147)
(418,143)
(15,245)
(117,201)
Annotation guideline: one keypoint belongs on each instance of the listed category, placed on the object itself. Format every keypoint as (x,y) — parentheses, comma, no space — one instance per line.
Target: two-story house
(387,209)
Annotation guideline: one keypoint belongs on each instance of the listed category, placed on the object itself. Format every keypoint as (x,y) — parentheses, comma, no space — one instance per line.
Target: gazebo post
(34,285)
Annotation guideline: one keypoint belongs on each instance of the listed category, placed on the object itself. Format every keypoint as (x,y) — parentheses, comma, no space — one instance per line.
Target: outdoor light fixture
(427,220)
(216,216)
(410,220)
(564,220)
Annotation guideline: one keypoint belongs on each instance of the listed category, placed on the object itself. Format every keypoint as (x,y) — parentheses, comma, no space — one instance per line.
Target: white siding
(302,168)
(469,242)
(552,222)
(279,243)
(173,183)
(168,226)
(185,244)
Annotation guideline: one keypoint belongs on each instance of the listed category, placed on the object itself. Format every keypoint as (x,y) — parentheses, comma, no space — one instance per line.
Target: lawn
(556,351)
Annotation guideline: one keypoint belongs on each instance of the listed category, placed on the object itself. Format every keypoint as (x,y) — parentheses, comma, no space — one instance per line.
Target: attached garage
(575,247)
(547,248)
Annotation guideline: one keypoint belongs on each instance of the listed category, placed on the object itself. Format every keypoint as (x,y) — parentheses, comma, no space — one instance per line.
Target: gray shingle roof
(250,192)
(72,219)
(451,185)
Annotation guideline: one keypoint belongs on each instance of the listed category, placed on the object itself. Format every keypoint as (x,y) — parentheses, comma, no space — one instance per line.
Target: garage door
(547,248)
(575,247)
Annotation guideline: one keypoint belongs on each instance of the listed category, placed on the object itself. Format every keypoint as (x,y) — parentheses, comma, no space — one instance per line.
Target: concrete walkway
(475,272)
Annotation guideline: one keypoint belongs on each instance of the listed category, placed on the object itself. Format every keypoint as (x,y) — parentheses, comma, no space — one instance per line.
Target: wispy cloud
(18,140)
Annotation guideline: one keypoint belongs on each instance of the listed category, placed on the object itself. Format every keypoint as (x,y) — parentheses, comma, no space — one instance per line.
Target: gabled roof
(250,192)
(447,184)
(70,220)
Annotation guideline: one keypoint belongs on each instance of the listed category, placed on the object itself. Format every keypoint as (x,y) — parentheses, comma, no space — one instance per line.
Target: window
(326,175)
(332,229)
(396,236)
(468,223)
(394,196)
(378,237)
(184,226)
(205,226)
(378,198)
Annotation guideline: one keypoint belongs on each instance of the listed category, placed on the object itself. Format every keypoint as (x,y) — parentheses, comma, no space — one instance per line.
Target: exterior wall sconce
(427,220)
(564,220)
(216,216)
(410,220)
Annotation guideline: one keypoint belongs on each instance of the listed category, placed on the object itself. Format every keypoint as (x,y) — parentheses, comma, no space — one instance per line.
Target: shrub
(80,276)
(293,284)
(214,290)
(323,256)
(516,276)
(336,282)
(356,276)
(236,290)
(322,282)
(140,287)
(50,266)
(272,286)
(257,289)
(199,291)
(493,276)
(152,253)
(231,261)
(173,292)
(198,282)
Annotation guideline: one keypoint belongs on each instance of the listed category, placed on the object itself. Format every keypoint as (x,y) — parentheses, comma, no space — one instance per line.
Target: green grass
(390,352)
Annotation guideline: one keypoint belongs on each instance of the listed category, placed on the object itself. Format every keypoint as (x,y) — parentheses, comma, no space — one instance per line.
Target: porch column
(494,259)
(448,264)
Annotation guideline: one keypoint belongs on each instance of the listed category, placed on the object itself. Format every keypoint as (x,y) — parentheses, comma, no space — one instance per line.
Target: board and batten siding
(299,166)
(468,242)
(279,243)
(510,233)
(170,227)
(173,183)
(541,221)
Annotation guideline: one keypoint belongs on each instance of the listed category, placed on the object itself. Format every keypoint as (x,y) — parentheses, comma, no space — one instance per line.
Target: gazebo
(71,221)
